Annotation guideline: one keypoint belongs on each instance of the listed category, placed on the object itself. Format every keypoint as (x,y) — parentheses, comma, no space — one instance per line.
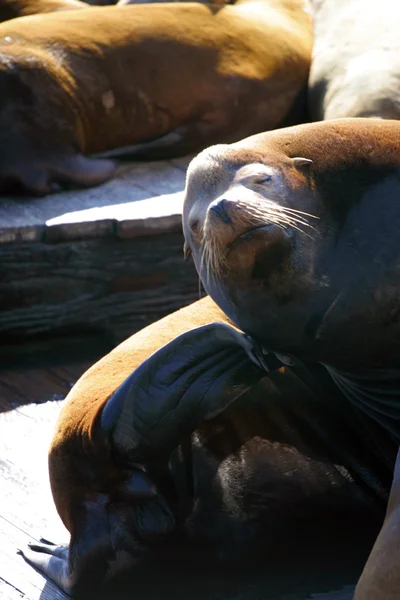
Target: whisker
(255,213)
(299,212)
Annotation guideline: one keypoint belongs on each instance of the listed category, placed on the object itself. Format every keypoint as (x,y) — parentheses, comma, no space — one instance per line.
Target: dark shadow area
(43,370)
(52,351)
(306,570)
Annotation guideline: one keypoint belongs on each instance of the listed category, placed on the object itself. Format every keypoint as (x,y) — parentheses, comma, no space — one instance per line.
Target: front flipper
(185,139)
(189,380)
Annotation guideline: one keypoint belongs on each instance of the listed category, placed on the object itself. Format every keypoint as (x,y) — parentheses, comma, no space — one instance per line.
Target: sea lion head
(278,226)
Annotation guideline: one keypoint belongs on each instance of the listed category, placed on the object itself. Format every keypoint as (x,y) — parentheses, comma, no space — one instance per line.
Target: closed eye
(262,178)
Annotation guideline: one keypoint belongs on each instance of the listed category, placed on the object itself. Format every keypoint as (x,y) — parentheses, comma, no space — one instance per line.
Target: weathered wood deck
(107,259)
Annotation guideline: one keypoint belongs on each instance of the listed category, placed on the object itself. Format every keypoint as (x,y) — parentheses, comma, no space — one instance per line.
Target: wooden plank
(134,195)
(112,286)
(26,507)
(37,385)
(19,576)
(107,259)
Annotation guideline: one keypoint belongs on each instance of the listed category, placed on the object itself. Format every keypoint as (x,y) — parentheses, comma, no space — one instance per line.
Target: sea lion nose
(220,208)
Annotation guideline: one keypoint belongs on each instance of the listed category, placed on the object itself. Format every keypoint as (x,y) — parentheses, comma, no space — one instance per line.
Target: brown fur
(76,428)
(133,74)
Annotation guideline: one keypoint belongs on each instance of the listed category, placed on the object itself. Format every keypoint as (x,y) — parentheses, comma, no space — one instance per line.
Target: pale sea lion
(380,579)
(356,62)
(289,463)
(198,74)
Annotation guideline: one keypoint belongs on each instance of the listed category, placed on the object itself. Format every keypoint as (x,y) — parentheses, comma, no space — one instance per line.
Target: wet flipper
(191,379)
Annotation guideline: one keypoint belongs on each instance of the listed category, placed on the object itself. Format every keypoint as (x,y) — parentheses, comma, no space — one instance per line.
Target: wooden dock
(107,260)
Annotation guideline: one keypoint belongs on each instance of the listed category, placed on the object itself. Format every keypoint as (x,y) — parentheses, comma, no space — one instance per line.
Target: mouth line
(246,233)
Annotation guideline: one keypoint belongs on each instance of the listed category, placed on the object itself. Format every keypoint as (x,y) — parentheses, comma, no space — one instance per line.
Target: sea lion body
(356,64)
(294,234)
(288,458)
(12,9)
(176,77)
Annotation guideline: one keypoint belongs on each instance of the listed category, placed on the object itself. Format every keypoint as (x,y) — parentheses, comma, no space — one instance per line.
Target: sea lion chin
(287,239)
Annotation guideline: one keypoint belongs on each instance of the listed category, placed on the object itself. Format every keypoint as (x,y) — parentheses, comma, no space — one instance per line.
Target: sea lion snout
(221,209)
(230,224)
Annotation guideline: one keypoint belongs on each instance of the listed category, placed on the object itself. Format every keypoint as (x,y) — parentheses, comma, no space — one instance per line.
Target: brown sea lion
(198,74)
(11,9)
(289,462)
(380,579)
(294,234)
(356,63)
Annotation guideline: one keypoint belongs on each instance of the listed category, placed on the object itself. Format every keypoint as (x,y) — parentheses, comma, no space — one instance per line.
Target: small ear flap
(302,163)
(187,252)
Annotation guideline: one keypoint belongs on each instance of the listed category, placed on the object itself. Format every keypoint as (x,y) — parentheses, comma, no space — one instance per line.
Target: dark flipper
(191,379)
(41,176)
(185,139)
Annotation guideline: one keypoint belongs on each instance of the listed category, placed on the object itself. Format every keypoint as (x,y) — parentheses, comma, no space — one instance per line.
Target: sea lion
(356,64)
(380,579)
(198,74)
(11,9)
(294,234)
(285,462)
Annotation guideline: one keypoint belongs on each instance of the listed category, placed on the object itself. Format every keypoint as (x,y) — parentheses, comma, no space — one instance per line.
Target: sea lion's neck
(374,391)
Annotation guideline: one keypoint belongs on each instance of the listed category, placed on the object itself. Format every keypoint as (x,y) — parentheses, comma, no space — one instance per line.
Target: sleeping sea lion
(294,234)
(198,74)
(356,64)
(288,462)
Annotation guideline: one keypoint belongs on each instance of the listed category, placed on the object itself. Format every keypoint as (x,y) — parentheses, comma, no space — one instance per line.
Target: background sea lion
(198,74)
(356,63)
(11,9)
(289,464)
